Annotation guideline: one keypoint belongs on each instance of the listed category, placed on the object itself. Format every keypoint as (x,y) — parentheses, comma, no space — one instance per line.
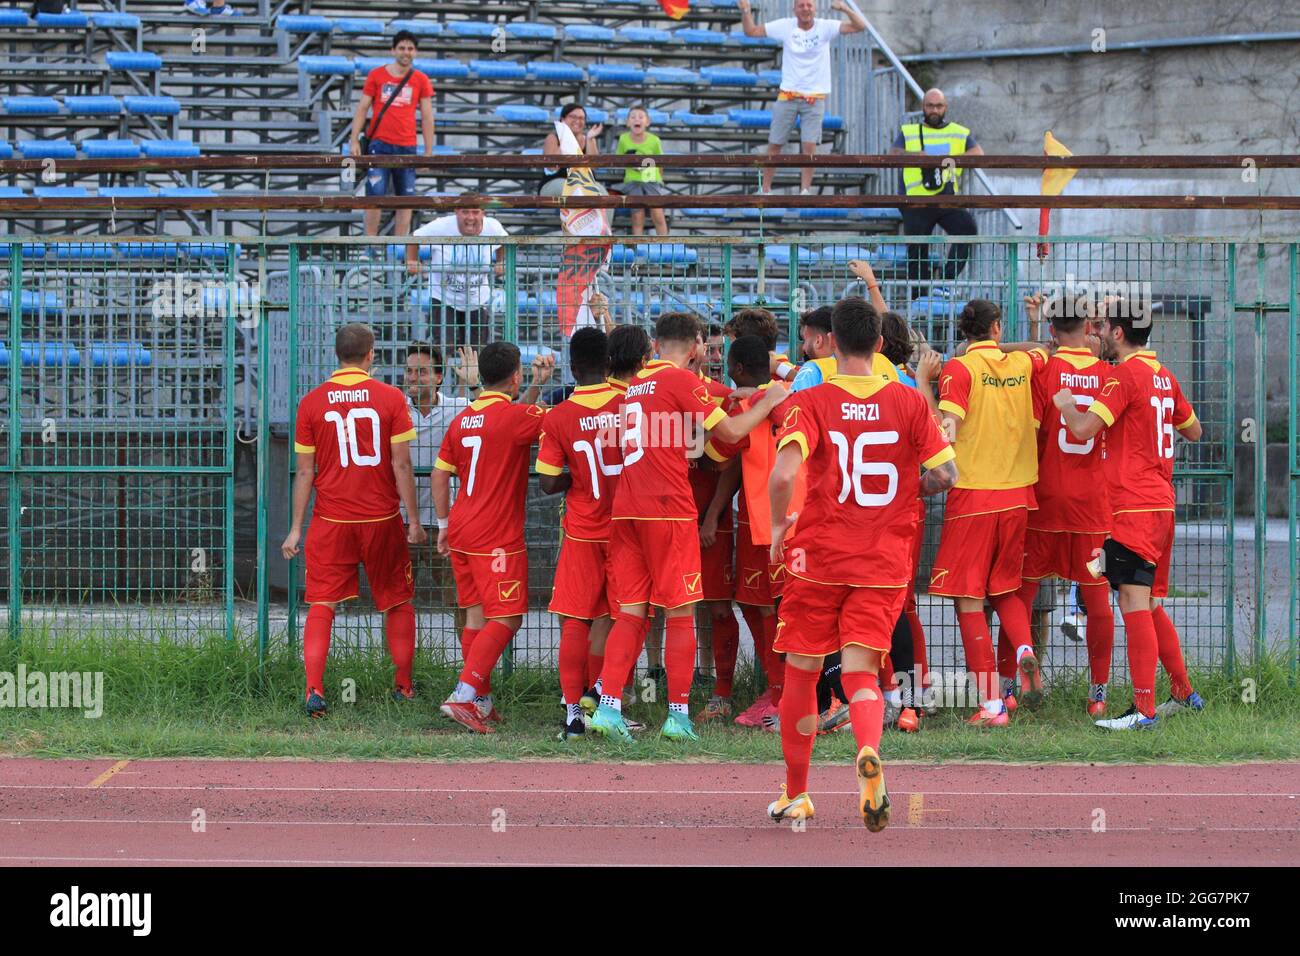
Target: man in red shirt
(579,456)
(655,539)
(351,439)
(487,446)
(849,564)
(394,90)
(1140,405)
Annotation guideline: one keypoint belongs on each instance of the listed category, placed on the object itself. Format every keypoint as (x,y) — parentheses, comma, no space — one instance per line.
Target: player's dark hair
(750,354)
(1067,313)
(424,348)
(856,325)
(570,107)
(629,346)
(714,329)
(677,327)
(589,352)
(758,322)
(401,35)
(898,338)
(818,319)
(1133,318)
(497,362)
(977,318)
(353,342)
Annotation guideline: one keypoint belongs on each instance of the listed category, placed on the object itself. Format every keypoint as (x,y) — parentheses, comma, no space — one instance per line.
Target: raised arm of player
(404,472)
(927,370)
(302,482)
(543,367)
(735,427)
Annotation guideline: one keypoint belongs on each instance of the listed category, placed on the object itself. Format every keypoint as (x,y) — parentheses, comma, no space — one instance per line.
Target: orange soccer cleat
(467,715)
(986,718)
(909,722)
(1031,680)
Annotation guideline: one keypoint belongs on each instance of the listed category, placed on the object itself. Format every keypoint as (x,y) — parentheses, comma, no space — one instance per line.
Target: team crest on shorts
(937,576)
(776,573)
(692,582)
(507,590)
(728,575)
(410,575)
(752,578)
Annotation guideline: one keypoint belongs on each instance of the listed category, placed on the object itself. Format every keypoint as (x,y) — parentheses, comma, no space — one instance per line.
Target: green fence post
(228,328)
(726,304)
(1293,456)
(791,313)
(1013,291)
(291,623)
(263,469)
(15,444)
(1258,645)
(512,293)
(1230,457)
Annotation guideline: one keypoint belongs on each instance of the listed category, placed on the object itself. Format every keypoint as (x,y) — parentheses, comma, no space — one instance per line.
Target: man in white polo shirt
(460,276)
(805,75)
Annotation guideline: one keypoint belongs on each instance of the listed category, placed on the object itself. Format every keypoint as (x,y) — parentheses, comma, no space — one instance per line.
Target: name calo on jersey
(350,424)
(865,440)
(1071,489)
(581,434)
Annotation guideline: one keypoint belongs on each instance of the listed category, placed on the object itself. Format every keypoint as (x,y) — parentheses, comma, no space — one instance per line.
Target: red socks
(399,629)
(1101,630)
(467,641)
(918,644)
(483,656)
(622,648)
(573,658)
(679,657)
(799,703)
(1171,653)
(726,645)
(775,667)
(595,662)
(316,645)
(867,715)
(979,653)
(1013,616)
(1142,650)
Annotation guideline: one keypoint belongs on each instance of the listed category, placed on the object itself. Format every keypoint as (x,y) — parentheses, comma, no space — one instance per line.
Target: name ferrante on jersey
(337,396)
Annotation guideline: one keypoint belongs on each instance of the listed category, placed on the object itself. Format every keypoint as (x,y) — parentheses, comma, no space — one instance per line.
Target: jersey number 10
(346,430)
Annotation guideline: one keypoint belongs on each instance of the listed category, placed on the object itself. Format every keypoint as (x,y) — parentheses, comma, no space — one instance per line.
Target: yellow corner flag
(1054,183)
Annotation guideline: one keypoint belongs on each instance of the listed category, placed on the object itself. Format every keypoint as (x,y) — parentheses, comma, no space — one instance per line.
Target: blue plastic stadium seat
(119,354)
(751,119)
(112,20)
(657,117)
(589,33)
(615,73)
(933,305)
(769,77)
(326,65)
(442,150)
(126,192)
(498,69)
(109,149)
(65,21)
(303,23)
(442,69)
(823,214)
(700,37)
(35,355)
(470,28)
(359,26)
(687,118)
(32,301)
(134,61)
(47,149)
(11,192)
(421,28)
(879,212)
(13,17)
(839,255)
(81,250)
(704,213)
(186,191)
(60,192)
(168,148)
(594,114)
(31,250)
(832,122)
(621,255)
(211,250)
(673,75)
(780,254)
(728,76)
(672,253)
(152,105)
(740,38)
(6,151)
(93,105)
(556,72)
(362,64)
(644,35)
(530,31)
(521,114)
(148,250)
(773,212)
(31,105)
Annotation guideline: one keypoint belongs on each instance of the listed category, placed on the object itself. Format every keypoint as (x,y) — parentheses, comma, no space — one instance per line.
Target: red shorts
(499,582)
(820,619)
(655,561)
(1149,534)
(581,583)
(980,555)
(719,581)
(753,573)
(1061,554)
(335,548)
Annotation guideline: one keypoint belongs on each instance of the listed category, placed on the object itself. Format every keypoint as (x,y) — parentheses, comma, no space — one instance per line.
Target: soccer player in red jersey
(865,440)
(351,439)
(655,538)
(579,456)
(487,446)
(1141,406)
(986,400)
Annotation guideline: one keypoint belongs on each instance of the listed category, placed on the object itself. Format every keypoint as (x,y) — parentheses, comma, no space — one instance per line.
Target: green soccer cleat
(608,722)
(678,727)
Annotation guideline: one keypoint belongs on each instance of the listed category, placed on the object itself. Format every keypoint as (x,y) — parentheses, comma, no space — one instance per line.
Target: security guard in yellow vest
(935,137)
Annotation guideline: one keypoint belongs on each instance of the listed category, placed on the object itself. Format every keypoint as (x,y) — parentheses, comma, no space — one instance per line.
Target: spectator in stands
(214,8)
(459,279)
(574,117)
(646,179)
(935,137)
(805,75)
(394,90)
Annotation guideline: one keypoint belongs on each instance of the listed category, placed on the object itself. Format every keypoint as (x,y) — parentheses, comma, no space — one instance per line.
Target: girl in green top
(646,179)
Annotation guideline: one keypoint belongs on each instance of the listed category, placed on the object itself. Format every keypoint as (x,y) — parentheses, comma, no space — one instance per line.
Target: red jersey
(350,423)
(757,452)
(581,433)
(1141,403)
(487,446)
(1071,489)
(664,410)
(398,125)
(704,481)
(865,440)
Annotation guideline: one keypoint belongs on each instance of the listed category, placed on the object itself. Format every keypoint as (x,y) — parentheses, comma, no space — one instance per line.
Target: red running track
(298,813)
